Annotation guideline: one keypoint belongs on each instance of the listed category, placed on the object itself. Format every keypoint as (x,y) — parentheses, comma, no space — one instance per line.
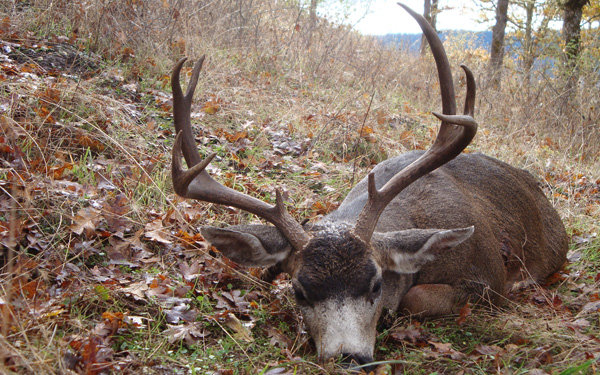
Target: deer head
(341,269)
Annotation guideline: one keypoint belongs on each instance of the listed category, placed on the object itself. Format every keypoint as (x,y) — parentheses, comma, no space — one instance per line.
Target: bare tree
(312,12)
(497,47)
(572,15)
(533,32)
(528,46)
(430,12)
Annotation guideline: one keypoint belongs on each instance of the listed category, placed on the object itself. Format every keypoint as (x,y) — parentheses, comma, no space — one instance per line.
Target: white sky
(386,16)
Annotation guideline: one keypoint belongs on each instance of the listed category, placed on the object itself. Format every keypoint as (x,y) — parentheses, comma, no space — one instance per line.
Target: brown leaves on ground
(90,237)
(430,347)
(526,336)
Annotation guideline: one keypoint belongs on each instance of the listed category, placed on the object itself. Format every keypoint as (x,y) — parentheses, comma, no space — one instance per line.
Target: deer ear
(408,251)
(249,245)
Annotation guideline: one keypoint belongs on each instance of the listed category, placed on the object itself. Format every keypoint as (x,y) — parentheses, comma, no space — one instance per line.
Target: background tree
(337,9)
(430,12)
(497,46)
(312,20)
(572,16)
(524,28)
(531,20)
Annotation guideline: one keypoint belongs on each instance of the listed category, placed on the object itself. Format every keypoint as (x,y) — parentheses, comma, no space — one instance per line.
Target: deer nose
(358,359)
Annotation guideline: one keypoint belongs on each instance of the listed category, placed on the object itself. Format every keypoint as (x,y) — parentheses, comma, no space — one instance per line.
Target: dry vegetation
(102,269)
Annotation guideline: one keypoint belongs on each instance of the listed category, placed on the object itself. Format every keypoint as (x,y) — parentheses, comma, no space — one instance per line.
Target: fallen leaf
(155,231)
(465,311)
(137,290)
(416,337)
(230,299)
(86,221)
(180,313)
(241,331)
(446,350)
(191,333)
(212,106)
(491,350)
(188,272)
(590,307)
(278,338)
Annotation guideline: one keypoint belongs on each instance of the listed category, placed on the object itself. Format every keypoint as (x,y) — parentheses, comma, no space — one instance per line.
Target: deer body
(423,233)
(518,234)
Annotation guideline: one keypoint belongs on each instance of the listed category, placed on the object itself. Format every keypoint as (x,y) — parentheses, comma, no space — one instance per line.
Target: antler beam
(456,132)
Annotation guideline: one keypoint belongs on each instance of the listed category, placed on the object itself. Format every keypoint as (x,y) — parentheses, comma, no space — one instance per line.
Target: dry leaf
(86,221)
(137,290)
(155,231)
(465,311)
(446,350)
(189,332)
(241,332)
(278,338)
(180,312)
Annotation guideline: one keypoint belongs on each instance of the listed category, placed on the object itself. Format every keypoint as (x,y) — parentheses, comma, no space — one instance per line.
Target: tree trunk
(573,10)
(434,13)
(497,47)
(312,20)
(528,53)
(430,11)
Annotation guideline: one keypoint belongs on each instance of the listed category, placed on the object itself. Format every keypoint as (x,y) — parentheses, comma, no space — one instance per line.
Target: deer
(423,233)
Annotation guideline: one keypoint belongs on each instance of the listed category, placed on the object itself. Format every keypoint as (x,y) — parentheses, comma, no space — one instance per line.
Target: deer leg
(427,300)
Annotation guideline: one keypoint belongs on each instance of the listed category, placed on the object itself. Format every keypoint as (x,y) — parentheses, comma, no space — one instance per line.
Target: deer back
(518,234)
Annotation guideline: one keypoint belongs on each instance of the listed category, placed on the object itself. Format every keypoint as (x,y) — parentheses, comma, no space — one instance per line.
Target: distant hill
(412,42)
(472,40)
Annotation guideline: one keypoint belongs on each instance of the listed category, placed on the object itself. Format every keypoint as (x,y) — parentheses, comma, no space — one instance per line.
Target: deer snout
(344,327)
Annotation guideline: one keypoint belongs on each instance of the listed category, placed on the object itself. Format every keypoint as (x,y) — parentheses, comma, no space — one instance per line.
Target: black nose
(352,360)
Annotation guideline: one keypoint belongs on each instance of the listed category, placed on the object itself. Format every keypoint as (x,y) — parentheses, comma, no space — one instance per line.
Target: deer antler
(196,183)
(456,132)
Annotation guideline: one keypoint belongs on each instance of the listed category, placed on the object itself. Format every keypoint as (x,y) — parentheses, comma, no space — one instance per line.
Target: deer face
(336,280)
(339,281)
(338,288)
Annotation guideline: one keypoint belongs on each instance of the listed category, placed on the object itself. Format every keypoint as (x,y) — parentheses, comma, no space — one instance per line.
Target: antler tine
(455,134)
(471,91)
(196,183)
(466,119)
(182,107)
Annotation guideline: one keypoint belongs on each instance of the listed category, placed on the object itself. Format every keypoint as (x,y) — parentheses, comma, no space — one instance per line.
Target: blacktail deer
(423,233)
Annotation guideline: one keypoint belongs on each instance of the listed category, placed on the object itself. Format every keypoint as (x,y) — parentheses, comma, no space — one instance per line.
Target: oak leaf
(155,231)
(86,221)
(190,333)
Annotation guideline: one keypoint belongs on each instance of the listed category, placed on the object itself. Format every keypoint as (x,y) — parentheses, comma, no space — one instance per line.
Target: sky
(386,17)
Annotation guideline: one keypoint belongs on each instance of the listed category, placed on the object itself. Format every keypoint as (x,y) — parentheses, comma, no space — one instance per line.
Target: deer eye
(300,297)
(376,288)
